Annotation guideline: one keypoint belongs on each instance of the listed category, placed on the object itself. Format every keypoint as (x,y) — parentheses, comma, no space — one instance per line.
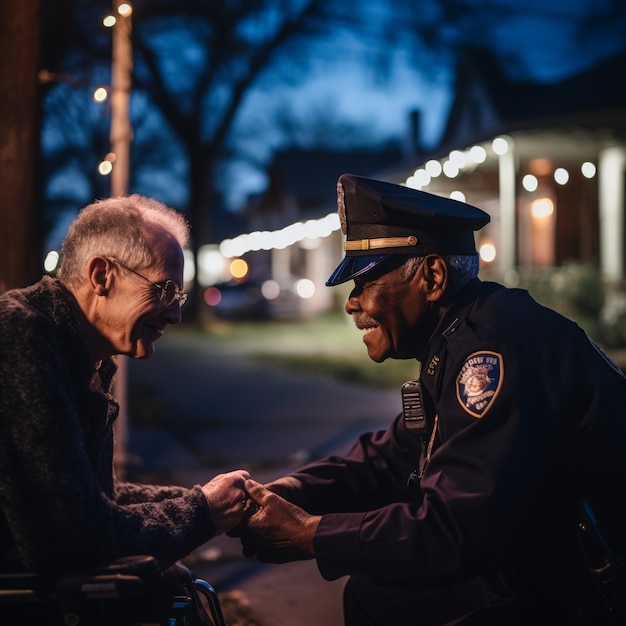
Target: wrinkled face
(393,314)
(133,317)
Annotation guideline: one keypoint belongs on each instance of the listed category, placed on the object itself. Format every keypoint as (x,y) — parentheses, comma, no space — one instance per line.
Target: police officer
(469,502)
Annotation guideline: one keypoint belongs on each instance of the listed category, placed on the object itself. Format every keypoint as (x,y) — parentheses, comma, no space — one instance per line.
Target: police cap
(380,219)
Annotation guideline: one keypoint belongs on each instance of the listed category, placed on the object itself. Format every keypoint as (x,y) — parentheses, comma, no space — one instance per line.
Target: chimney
(415,146)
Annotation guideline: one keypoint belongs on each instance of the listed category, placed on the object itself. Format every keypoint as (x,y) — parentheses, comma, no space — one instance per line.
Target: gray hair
(462,268)
(117,227)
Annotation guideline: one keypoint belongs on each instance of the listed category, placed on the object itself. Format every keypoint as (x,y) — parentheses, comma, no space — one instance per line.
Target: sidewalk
(227,412)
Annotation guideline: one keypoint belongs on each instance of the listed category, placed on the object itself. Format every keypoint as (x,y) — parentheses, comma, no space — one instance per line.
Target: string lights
(119,101)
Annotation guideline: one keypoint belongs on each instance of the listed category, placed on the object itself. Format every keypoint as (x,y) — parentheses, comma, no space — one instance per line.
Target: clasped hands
(273,529)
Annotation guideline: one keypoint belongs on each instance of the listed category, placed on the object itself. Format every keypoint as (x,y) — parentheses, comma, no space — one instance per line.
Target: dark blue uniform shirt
(526,417)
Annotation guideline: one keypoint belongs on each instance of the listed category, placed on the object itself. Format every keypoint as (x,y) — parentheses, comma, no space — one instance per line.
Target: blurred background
(242,114)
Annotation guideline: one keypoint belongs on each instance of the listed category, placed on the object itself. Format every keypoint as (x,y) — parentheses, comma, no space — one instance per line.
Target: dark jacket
(60,502)
(530,420)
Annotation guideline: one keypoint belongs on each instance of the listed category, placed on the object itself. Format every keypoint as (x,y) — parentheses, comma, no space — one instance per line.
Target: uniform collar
(453,317)
(455,310)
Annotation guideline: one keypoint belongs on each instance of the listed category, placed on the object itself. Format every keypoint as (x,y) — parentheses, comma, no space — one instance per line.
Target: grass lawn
(329,344)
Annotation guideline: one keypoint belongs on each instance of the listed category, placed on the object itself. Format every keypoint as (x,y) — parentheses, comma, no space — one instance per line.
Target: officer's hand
(227,498)
(282,486)
(279,531)
(287,487)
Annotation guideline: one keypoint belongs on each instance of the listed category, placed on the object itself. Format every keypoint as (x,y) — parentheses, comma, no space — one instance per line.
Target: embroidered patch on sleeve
(479,382)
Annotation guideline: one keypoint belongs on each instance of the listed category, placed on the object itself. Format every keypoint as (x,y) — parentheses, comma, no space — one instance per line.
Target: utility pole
(121,71)
(120,139)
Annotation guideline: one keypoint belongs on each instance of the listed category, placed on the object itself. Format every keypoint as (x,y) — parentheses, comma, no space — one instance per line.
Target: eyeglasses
(168,291)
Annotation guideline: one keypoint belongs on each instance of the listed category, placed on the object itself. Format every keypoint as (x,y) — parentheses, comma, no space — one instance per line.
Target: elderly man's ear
(435,272)
(98,274)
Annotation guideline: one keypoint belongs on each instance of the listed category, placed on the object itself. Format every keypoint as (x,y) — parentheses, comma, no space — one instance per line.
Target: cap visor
(353,266)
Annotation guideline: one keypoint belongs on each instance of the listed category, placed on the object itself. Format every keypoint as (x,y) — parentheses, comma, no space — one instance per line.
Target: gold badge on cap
(479,382)
(341,208)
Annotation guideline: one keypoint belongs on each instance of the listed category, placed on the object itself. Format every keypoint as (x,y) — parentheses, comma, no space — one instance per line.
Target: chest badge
(479,382)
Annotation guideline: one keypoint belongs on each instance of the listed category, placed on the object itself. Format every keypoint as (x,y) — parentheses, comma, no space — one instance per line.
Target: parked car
(237,300)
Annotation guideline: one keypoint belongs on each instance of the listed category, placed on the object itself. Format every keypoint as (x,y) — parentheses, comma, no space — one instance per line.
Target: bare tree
(34,63)
(195,62)
(226,46)
(76,58)
(198,61)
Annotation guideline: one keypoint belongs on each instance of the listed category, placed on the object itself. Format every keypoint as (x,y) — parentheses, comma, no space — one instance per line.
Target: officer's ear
(435,272)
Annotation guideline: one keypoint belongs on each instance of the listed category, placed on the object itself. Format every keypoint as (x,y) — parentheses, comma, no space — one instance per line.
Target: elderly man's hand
(279,531)
(227,498)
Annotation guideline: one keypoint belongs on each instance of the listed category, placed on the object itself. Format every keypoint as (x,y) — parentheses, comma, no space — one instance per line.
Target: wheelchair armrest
(75,595)
(142,565)
(123,577)
(25,587)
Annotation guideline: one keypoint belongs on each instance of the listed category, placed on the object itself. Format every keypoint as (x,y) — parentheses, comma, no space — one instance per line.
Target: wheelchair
(131,591)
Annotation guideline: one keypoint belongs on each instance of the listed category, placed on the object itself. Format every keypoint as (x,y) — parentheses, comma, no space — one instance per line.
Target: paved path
(234,413)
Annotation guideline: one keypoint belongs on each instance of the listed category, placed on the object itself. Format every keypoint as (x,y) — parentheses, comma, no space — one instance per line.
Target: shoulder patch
(479,382)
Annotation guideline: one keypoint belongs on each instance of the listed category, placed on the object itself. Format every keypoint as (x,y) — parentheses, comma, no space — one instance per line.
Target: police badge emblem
(341,208)
(479,382)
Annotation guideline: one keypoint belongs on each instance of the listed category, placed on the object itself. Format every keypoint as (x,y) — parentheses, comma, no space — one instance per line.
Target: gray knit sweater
(60,503)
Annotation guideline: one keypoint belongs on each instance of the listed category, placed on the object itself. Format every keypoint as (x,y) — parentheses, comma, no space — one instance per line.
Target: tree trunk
(199,211)
(20,232)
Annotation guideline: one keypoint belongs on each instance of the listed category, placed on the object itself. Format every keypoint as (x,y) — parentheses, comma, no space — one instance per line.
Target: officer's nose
(352,303)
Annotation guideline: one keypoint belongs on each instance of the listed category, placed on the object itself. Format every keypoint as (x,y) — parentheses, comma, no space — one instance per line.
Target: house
(300,202)
(546,161)
(553,181)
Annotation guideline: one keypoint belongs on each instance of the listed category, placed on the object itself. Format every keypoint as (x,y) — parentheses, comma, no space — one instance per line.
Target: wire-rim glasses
(168,291)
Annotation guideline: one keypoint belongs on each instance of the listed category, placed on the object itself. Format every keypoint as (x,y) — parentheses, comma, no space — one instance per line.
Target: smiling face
(395,314)
(139,317)
(123,309)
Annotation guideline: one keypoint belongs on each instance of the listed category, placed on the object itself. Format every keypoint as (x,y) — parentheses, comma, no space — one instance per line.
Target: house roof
(589,107)
(322,166)
(309,177)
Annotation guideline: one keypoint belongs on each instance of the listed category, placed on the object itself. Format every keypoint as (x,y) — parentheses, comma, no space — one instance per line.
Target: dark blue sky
(538,40)
(542,40)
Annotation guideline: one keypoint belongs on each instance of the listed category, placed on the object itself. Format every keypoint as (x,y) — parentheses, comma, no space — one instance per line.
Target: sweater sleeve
(137,493)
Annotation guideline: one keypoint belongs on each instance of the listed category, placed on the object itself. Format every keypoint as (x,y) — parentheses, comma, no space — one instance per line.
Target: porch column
(611,172)
(507,194)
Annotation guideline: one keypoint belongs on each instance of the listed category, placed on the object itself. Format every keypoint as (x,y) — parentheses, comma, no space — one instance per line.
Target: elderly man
(119,285)
(477,497)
